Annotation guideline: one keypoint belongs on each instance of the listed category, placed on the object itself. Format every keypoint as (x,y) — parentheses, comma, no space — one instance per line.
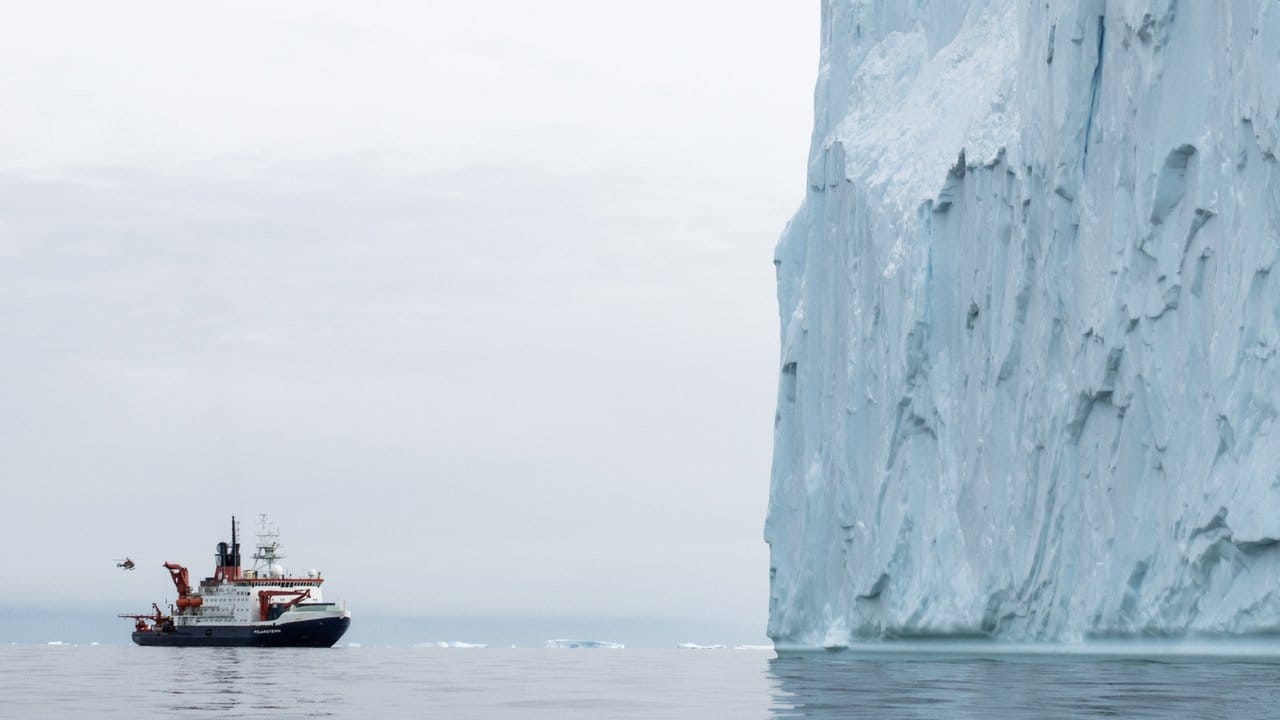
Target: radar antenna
(268,551)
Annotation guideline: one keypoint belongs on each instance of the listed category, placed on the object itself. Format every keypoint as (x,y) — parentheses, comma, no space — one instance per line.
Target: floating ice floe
(453,644)
(753,647)
(696,646)
(585,644)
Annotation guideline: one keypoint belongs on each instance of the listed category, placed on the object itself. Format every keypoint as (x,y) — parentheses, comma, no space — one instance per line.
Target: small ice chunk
(585,644)
(451,644)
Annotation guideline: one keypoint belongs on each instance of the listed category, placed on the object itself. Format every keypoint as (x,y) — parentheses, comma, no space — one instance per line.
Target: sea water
(51,681)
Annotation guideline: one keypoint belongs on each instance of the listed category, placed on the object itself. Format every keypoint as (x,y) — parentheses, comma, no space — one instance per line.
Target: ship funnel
(228,557)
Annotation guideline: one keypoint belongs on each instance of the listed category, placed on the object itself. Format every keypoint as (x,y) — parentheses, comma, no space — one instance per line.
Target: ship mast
(268,550)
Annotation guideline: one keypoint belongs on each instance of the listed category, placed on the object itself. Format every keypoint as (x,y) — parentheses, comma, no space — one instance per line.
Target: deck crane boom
(181,581)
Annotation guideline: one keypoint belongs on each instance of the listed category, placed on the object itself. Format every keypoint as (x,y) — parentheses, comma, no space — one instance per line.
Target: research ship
(262,607)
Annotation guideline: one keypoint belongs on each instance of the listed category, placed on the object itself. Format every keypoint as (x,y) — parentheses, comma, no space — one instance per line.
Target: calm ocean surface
(368,682)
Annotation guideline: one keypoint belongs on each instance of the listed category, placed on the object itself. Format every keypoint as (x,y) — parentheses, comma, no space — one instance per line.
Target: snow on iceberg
(1030,379)
(585,644)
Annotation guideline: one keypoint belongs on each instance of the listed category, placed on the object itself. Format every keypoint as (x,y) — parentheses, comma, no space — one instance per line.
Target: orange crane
(181,581)
(159,621)
(264,600)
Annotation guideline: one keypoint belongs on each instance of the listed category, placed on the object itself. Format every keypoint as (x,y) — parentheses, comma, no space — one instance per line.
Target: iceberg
(696,646)
(1029,383)
(585,644)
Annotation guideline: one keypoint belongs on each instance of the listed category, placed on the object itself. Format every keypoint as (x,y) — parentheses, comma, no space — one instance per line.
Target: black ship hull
(320,632)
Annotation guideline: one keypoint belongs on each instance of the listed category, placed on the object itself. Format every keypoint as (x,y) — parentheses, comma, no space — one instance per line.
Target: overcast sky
(476,299)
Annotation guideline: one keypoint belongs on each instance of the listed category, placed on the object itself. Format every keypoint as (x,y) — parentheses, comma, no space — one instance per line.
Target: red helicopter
(126,563)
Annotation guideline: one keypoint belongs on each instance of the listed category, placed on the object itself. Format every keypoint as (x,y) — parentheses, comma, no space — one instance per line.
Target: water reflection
(246,682)
(205,679)
(820,686)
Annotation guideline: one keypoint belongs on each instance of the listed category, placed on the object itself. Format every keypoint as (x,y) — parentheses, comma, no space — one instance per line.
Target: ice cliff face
(1029,384)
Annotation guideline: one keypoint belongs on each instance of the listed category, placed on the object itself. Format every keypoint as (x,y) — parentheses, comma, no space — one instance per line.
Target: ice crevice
(1028,385)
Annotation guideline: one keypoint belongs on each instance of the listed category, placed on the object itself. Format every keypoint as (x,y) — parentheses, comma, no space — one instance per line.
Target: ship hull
(319,632)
